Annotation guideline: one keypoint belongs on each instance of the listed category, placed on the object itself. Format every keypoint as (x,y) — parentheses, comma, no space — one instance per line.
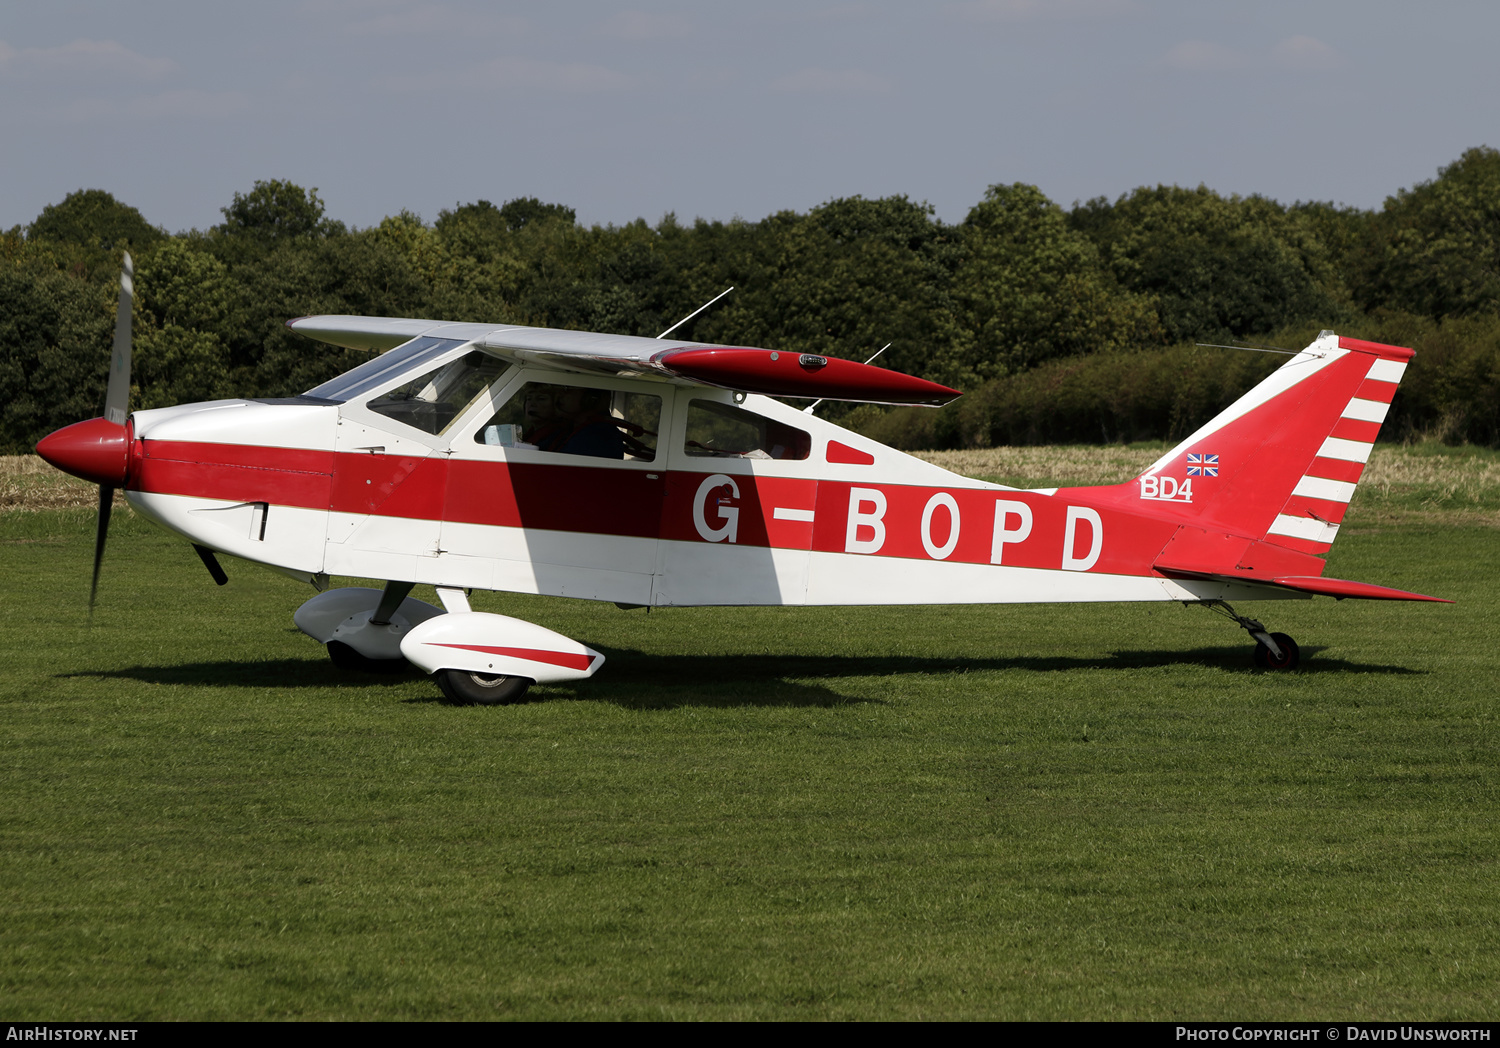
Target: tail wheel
(1289,654)
(463,688)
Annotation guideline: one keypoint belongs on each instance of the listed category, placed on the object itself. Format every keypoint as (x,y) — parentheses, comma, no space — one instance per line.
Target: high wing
(741,368)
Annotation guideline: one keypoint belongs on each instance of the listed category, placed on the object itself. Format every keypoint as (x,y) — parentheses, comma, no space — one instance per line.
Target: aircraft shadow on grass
(636,680)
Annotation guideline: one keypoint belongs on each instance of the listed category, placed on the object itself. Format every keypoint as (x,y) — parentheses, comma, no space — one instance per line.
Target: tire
(463,688)
(1290,656)
(346,658)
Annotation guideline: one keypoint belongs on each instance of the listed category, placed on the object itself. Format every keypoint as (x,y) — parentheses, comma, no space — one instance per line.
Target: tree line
(1063,325)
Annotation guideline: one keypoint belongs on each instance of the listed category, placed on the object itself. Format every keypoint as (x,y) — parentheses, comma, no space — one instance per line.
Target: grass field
(1013,812)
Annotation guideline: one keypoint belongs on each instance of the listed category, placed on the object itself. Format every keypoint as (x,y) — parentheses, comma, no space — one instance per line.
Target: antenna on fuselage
(695,312)
(808,410)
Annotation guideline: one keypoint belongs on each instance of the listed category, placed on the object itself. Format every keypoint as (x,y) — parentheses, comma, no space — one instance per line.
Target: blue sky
(633,110)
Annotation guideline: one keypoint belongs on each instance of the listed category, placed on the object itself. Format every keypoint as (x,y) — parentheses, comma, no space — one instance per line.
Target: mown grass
(1017,812)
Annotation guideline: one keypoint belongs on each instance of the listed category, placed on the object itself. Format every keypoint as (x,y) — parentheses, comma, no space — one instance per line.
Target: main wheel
(1289,654)
(346,658)
(486,689)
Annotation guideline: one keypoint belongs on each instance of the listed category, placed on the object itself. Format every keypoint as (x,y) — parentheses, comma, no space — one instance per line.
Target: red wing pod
(781,374)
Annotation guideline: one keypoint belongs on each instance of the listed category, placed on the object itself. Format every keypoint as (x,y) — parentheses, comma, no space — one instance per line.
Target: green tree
(521,212)
(1031,288)
(1217,267)
(55,335)
(184,321)
(276,210)
(1436,247)
(94,218)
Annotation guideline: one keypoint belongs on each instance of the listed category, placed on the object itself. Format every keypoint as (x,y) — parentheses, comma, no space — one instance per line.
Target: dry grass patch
(28,484)
(1048,466)
(1459,477)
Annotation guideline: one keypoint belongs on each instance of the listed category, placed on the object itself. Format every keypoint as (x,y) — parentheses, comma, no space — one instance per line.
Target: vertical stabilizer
(1281,463)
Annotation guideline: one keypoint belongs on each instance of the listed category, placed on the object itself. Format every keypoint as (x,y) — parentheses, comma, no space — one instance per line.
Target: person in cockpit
(592,430)
(543,426)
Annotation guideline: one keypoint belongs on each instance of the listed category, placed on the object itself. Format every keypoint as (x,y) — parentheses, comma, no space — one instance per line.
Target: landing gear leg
(1273,651)
(390,599)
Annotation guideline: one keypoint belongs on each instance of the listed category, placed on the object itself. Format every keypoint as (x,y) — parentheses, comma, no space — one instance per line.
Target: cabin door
(557,488)
(740,496)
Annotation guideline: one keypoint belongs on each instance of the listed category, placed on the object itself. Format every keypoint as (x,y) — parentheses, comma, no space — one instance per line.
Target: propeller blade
(117,397)
(106,505)
(116,410)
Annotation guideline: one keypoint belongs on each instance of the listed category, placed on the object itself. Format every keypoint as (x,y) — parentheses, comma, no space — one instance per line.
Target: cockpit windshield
(351,385)
(432,401)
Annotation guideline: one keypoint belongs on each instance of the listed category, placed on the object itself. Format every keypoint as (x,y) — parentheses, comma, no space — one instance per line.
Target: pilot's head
(540,404)
(576,403)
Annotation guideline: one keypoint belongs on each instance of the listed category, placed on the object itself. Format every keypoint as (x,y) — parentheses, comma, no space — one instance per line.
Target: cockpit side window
(715,429)
(431,403)
(577,420)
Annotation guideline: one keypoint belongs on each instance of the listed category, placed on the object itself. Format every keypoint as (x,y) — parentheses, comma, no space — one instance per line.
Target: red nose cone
(97,450)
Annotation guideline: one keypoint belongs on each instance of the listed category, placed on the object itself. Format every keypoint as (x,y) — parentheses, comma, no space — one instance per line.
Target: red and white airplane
(651,472)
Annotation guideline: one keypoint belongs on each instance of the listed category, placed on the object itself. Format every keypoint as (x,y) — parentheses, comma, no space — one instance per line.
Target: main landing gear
(474,656)
(1273,651)
(463,688)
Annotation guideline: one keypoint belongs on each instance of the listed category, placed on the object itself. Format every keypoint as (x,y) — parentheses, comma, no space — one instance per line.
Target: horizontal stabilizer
(1342,588)
(1193,553)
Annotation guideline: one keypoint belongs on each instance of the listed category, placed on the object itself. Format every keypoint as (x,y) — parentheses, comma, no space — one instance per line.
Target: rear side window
(717,430)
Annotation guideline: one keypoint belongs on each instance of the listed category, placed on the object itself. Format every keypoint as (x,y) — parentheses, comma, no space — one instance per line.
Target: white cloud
(1298,52)
(566,77)
(1304,52)
(819,81)
(165,105)
(837,13)
(520,74)
(1037,10)
(1204,56)
(644,25)
(82,58)
(429,19)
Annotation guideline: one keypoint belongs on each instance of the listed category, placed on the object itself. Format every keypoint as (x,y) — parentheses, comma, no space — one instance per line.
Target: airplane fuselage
(328,490)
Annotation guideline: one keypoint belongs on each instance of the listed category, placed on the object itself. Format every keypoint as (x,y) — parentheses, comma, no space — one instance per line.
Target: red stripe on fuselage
(560,497)
(234,472)
(923,523)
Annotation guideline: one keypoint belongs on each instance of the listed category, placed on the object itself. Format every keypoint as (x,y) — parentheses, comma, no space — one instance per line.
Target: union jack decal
(1203,465)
